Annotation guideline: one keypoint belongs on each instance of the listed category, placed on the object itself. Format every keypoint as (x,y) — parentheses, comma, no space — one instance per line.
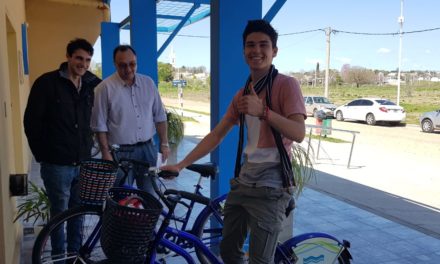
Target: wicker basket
(97,176)
(127,232)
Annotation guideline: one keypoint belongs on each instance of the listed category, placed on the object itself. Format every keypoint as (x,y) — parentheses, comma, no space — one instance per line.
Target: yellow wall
(13,94)
(51,24)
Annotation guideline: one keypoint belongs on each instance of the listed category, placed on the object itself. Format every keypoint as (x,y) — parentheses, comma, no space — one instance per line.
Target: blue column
(109,41)
(24,47)
(143,35)
(228,74)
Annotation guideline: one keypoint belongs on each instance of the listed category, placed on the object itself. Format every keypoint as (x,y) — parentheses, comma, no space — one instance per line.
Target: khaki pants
(259,210)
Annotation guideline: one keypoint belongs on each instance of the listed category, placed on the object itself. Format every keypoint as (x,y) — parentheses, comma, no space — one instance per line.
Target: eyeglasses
(131,65)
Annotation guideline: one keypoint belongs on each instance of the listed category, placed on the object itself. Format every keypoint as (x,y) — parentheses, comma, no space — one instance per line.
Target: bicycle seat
(189,196)
(206,169)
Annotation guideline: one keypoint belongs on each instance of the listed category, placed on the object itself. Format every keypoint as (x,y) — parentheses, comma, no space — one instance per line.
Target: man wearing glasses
(128,111)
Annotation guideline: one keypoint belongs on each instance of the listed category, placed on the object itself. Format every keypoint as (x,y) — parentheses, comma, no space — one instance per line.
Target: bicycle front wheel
(312,248)
(208,227)
(85,238)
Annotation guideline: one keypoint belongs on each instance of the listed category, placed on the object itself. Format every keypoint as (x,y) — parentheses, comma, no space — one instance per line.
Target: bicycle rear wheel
(89,233)
(208,227)
(313,248)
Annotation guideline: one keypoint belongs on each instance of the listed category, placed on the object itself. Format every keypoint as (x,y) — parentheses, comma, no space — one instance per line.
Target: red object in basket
(132,202)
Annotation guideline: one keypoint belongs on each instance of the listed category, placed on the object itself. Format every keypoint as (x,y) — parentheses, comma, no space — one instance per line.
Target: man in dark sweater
(57,126)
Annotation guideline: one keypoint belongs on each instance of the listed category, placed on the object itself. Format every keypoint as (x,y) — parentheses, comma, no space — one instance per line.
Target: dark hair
(122,48)
(260,25)
(77,44)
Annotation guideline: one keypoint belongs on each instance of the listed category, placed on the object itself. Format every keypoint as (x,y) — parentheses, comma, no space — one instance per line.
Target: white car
(371,110)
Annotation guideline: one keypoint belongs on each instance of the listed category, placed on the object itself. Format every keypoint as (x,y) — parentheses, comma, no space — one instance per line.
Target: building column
(228,74)
(109,41)
(143,36)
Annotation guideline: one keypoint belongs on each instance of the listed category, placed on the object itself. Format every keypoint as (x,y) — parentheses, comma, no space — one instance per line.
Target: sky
(301,52)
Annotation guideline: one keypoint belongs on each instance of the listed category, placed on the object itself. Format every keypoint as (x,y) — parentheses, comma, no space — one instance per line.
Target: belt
(137,144)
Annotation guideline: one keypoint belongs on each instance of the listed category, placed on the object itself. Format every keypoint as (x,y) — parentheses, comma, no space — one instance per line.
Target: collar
(64,73)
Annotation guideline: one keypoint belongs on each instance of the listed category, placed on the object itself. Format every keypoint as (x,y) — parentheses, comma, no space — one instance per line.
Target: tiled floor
(373,239)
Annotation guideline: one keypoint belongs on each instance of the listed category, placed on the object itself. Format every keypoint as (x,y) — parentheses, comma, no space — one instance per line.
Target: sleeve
(232,113)
(34,116)
(99,117)
(292,98)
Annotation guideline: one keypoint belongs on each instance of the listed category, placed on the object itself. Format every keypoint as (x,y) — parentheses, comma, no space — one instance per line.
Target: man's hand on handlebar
(169,168)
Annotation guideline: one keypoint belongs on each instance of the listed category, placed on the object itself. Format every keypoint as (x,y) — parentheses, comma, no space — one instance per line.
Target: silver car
(430,121)
(316,103)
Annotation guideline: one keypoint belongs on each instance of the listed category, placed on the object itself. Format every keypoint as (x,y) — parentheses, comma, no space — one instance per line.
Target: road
(400,160)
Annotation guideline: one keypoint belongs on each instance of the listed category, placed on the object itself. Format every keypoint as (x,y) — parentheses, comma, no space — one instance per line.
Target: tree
(344,71)
(97,70)
(359,75)
(165,72)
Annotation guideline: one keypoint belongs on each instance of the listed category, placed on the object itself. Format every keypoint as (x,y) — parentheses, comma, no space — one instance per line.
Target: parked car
(371,110)
(316,103)
(430,121)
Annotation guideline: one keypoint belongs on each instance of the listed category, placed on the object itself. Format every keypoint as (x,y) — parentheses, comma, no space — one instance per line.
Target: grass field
(195,91)
(416,98)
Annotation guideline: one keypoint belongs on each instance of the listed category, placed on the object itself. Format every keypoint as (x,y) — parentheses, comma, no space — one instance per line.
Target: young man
(128,111)
(57,125)
(271,106)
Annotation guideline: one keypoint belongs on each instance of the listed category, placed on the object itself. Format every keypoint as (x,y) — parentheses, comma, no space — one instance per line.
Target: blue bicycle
(180,241)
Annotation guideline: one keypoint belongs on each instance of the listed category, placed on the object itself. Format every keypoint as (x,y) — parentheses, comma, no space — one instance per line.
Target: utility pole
(400,21)
(328,31)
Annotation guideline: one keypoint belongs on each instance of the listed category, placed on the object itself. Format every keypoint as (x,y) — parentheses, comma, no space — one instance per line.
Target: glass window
(385,102)
(367,103)
(355,103)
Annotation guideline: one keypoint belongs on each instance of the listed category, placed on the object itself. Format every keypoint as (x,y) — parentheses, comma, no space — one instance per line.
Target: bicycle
(90,249)
(178,241)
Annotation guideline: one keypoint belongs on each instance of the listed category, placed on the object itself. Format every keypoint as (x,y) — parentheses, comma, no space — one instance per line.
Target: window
(355,103)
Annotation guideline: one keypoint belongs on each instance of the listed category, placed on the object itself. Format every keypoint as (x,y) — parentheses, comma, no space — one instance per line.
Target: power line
(335,31)
(382,34)
(302,32)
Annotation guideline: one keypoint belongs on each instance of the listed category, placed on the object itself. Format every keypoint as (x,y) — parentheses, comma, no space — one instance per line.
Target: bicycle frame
(184,221)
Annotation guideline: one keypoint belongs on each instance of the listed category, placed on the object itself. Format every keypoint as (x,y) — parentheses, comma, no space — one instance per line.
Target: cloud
(428,51)
(343,60)
(383,50)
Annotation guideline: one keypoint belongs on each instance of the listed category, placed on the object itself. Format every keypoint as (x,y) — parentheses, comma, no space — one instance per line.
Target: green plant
(175,127)
(302,166)
(36,205)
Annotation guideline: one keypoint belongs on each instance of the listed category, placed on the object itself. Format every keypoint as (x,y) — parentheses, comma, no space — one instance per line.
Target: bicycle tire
(41,252)
(290,246)
(203,230)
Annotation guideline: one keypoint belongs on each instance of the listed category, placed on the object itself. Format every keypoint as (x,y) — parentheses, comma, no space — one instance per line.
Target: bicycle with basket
(96,178)
(126,235)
